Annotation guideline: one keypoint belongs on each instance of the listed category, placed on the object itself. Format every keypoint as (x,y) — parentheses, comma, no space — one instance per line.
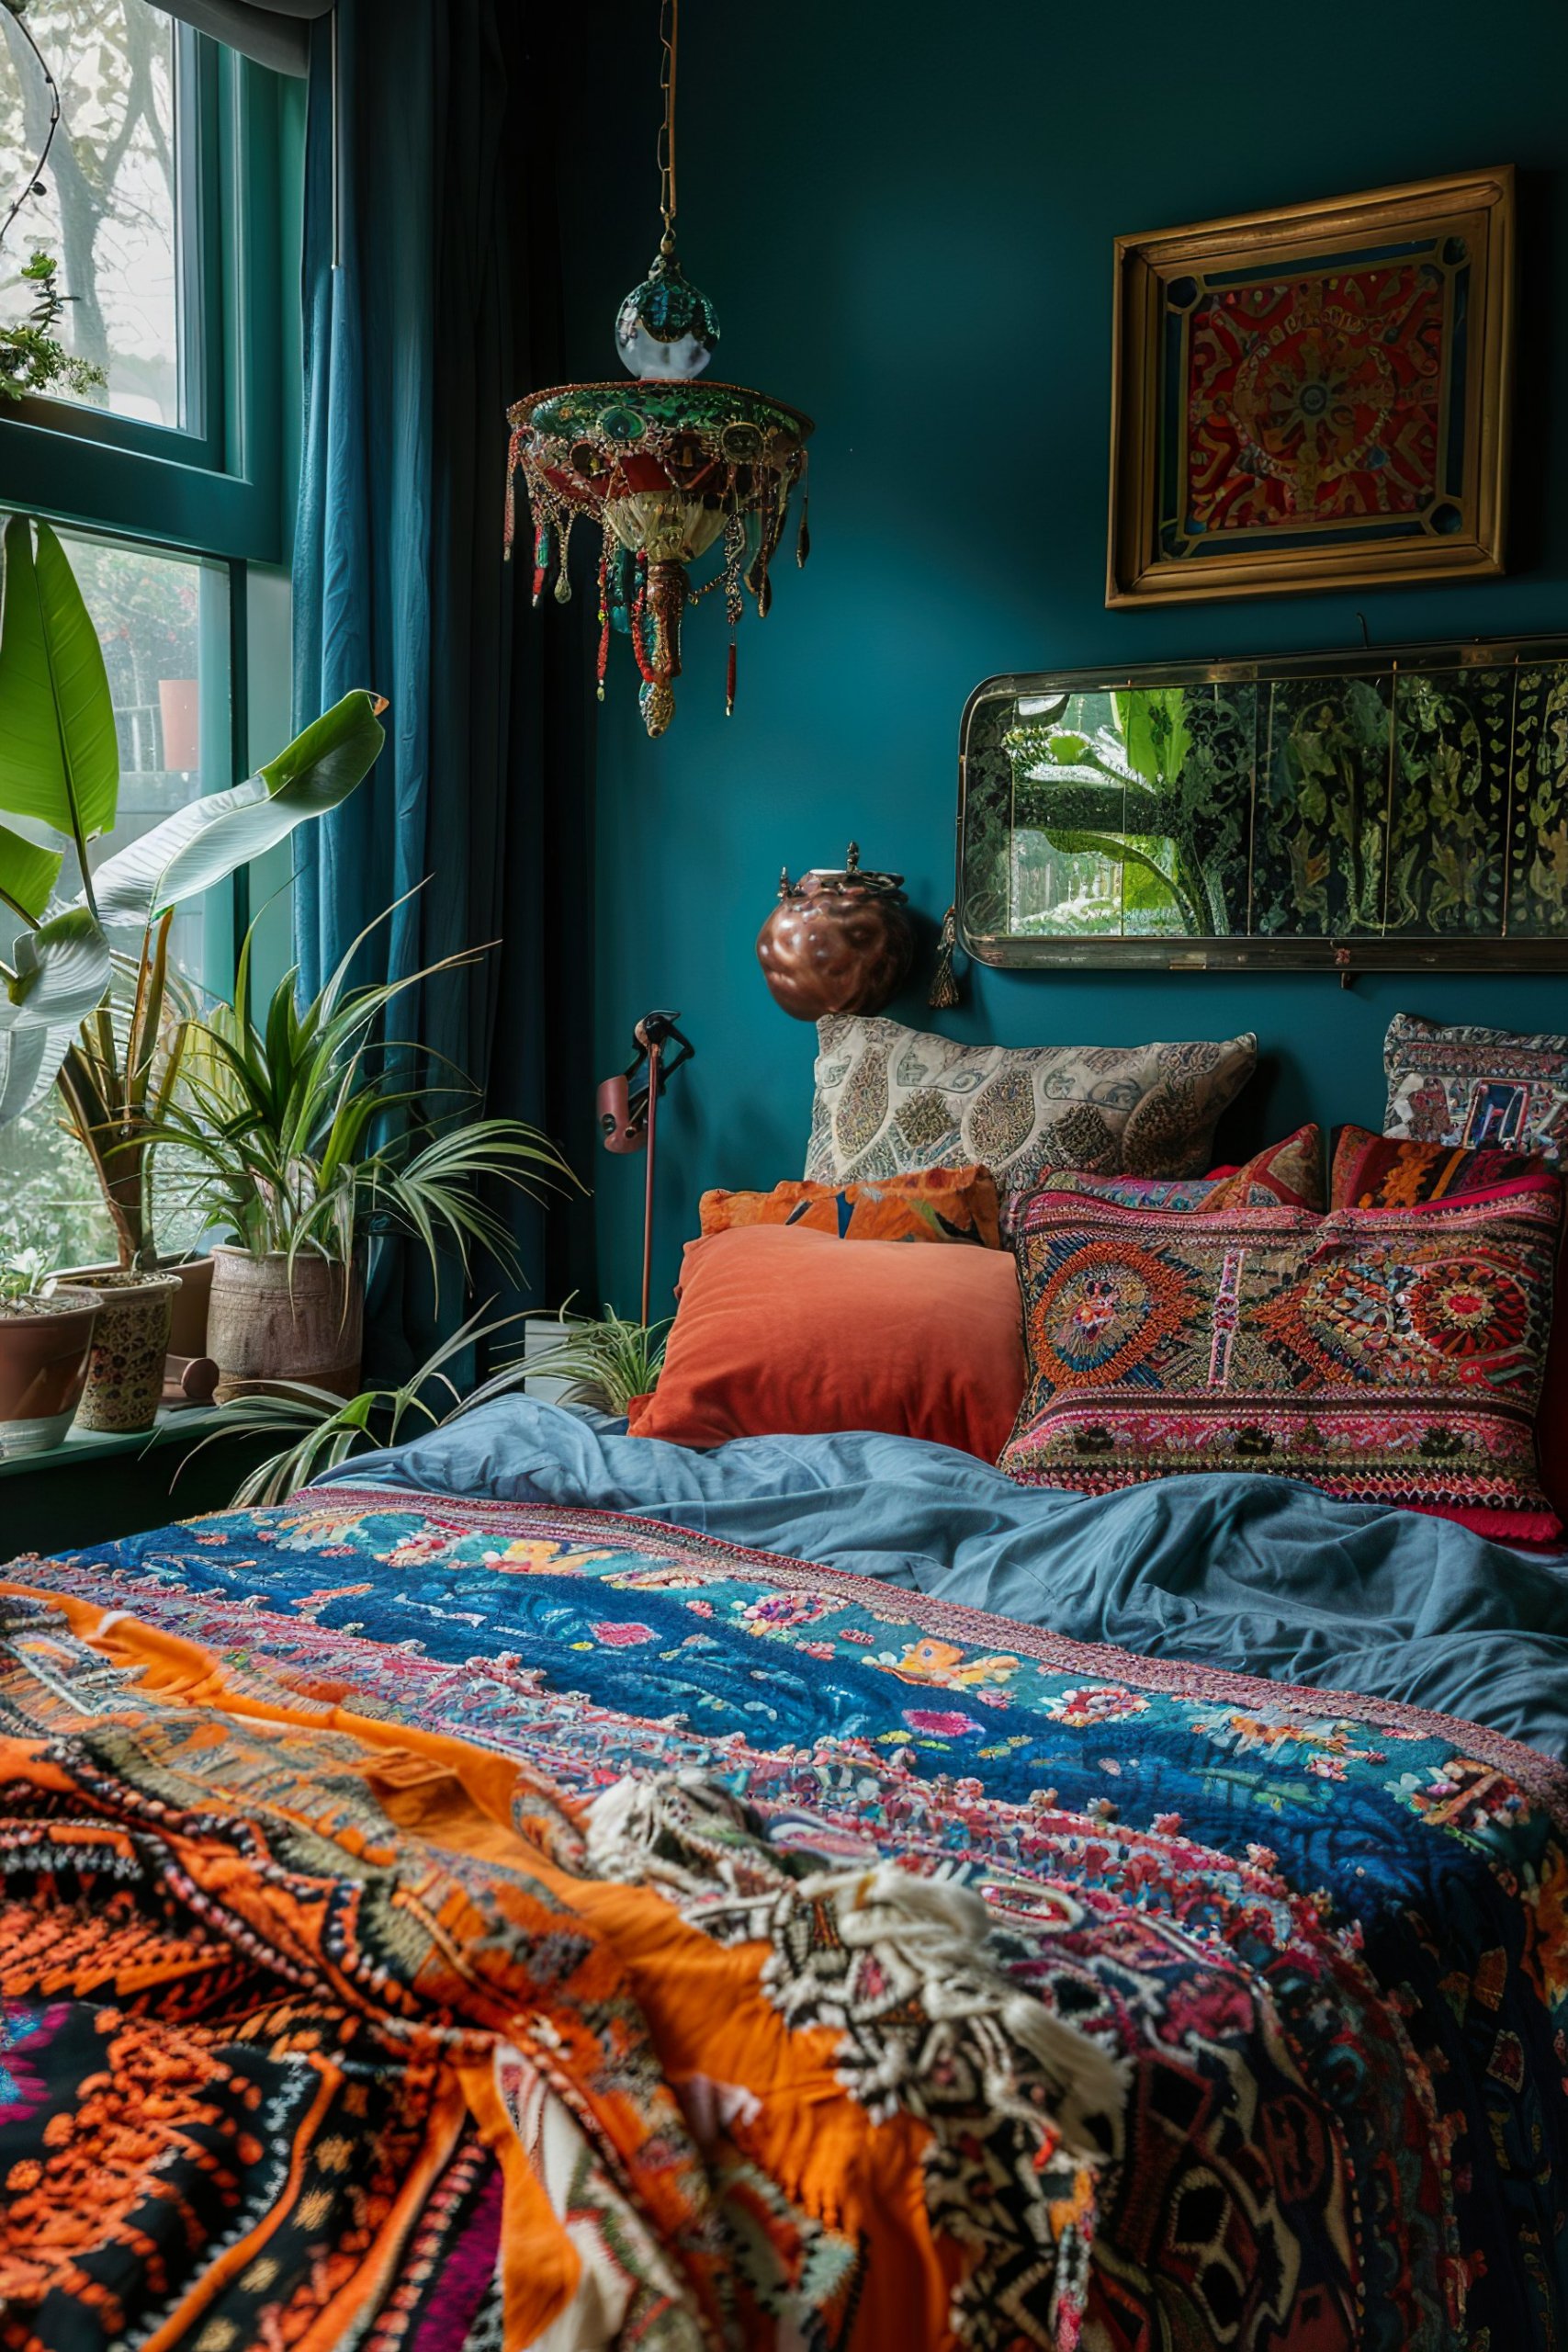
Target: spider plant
(309,1131)
(607,1362)
(320,1430)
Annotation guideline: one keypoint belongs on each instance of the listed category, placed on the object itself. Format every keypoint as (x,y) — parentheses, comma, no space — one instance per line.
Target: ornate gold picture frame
(1314,397)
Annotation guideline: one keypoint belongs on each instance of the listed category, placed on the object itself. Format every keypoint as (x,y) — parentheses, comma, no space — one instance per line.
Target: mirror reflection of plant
(309,1129)
(1118,794)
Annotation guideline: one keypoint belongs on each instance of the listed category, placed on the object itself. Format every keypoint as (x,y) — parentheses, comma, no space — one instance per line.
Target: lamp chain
(669,35)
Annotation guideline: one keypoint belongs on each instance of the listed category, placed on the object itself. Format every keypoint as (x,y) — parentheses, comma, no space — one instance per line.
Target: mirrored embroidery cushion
(1392,1172)
(1287,1175)
(890,1098)
(1385,1355)
(937,1204)
(1481,1088)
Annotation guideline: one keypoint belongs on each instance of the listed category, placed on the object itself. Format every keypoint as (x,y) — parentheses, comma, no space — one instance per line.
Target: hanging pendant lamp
(665,467)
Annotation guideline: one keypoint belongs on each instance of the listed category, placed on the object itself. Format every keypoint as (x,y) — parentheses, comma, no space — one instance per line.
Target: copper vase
(838,941)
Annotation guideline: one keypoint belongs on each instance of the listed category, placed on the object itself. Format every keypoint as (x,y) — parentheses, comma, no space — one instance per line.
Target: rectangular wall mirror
(1402,809)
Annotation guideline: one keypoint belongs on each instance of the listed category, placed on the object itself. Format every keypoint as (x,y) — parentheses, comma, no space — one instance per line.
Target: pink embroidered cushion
(1290,1173)
(1385,1355)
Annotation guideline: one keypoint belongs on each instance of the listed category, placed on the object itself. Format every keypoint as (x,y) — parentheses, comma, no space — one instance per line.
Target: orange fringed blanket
(304,2030)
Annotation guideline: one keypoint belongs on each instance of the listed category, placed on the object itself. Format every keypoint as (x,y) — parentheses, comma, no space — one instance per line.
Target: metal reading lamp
(627,1120)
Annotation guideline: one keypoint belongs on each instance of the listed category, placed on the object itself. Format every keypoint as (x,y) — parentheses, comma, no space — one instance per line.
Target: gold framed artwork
(1316,397)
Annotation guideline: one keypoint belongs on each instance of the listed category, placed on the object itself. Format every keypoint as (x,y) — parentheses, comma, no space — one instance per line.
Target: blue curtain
(431,300)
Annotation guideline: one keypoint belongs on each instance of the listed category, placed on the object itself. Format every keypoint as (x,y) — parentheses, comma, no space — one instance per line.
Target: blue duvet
(1258,1574)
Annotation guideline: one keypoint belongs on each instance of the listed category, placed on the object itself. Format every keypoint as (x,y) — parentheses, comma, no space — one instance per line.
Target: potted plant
(88,998)
(604,1363)
(45,1340)
(311,1136)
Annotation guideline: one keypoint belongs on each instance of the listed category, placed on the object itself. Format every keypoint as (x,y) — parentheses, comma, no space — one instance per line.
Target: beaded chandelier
(665,467)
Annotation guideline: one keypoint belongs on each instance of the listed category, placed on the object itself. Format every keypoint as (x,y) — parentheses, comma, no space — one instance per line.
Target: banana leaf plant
(1117,794)
(114,1050)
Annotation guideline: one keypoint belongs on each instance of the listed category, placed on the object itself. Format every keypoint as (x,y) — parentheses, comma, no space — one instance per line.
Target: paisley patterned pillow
(938,1205)
(891,1099)
(1385,1355)
(1289,1175)
(1476,1087)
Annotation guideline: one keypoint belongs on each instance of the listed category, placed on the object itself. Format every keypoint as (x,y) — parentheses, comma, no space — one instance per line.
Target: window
(177,236)
(163,623)
(110,207)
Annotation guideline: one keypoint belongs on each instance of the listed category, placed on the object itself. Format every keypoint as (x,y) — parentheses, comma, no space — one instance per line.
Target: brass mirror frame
(991,707)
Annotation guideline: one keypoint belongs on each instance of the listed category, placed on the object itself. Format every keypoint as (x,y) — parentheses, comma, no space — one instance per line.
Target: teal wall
(904,215)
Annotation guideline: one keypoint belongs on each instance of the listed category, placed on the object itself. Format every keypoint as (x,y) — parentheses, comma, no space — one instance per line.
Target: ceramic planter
(265,1323)
(43,1368)
(125,1370)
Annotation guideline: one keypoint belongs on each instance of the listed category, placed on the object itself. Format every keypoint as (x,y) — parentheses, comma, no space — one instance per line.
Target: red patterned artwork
(1315,395)
(1314,398)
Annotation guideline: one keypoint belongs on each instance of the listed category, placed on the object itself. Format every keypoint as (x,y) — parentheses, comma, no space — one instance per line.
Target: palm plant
(307,1131)
(60,789)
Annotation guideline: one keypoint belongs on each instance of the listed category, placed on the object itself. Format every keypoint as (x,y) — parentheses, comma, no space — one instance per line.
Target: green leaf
(27,872)
(59,755)
(62,972)
(203,844)
(1153,729)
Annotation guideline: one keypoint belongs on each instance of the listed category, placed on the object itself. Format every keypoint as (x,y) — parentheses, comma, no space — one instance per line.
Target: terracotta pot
(264,1324)
(125,1368)
(43,1369)
(839,941)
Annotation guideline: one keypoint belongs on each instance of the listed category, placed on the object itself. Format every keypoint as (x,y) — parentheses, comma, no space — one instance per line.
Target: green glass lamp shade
(666,328)
(666,470)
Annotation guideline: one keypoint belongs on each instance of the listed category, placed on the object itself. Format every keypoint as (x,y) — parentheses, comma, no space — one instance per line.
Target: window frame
(211,485)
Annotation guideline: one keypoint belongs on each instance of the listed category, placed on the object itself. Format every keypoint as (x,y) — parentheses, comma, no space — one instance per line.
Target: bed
(1205,2006)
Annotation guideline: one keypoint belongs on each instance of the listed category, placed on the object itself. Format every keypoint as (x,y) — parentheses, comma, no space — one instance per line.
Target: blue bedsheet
(1258,1574)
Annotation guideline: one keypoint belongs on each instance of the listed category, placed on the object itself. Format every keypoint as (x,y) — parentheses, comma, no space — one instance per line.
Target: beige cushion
(891,1099)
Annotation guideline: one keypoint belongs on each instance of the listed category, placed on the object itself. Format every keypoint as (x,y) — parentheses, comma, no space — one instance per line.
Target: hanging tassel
(603,618)
(945,988)
(541,558)
(730,681)
(563,577)
(803,536)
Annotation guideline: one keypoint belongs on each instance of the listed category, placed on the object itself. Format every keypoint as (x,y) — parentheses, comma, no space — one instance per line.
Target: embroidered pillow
(1385,1355)
(1388,1171)
(1288,1175)
(1476,1087)
(1374,1171)
(890,1098)
(937,1204)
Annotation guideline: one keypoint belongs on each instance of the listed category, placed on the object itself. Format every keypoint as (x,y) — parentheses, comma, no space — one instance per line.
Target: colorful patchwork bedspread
(1326,1937)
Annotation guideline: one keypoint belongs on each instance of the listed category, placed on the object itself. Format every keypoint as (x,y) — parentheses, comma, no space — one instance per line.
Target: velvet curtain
(432,299)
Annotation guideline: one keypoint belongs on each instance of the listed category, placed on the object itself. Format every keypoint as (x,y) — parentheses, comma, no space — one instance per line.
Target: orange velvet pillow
(932,1204)
(781,1329)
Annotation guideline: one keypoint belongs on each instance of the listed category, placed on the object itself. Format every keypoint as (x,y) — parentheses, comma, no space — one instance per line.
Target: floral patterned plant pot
(125,1374)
